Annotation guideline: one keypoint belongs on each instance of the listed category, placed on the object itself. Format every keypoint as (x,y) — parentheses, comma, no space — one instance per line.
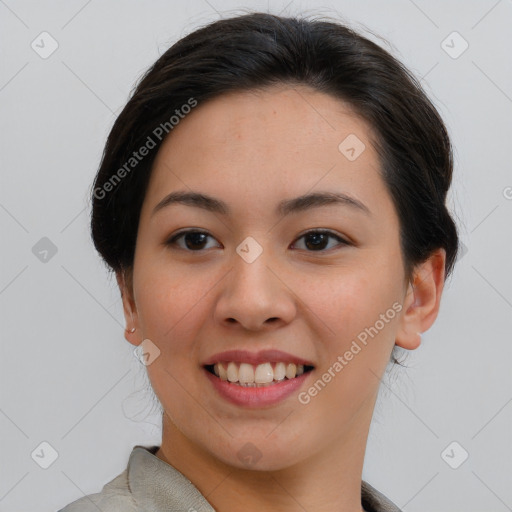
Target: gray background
(68,377)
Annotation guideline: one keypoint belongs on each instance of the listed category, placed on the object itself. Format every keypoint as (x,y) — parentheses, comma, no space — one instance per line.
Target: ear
(124,281)
(422,300)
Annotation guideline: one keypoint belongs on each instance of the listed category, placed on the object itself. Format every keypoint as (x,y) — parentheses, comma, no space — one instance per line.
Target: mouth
(256,380)
(246,374)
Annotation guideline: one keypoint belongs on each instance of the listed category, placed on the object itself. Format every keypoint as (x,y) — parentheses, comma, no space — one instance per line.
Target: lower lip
(256,396)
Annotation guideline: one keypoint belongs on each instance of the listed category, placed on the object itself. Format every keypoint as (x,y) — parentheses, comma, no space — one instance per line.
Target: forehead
(269,144)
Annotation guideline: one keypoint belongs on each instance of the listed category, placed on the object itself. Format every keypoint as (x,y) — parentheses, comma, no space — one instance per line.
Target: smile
(261,375)
(256,379)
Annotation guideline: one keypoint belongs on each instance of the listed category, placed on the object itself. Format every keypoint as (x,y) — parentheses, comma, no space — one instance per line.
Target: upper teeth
(245,373)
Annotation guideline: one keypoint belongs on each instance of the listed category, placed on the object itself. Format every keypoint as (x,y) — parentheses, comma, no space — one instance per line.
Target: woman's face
(256,282)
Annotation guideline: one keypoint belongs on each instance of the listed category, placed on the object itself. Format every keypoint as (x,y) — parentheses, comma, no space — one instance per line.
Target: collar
(169,490)
(159,487)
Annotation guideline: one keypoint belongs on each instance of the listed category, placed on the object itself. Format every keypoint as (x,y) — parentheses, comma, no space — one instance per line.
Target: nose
(255,296)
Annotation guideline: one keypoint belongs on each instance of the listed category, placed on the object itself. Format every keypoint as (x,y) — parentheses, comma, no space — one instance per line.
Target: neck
(324,482)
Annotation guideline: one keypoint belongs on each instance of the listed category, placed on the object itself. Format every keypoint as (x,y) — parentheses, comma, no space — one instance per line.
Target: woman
(272,200)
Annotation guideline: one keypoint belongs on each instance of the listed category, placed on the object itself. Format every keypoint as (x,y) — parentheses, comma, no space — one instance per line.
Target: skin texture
(252,150)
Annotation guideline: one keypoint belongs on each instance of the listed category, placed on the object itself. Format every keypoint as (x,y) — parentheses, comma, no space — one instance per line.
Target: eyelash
(174,238)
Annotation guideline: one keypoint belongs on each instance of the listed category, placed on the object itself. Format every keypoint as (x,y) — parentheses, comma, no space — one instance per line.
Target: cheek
(361,310)
(171,307)
(348,300)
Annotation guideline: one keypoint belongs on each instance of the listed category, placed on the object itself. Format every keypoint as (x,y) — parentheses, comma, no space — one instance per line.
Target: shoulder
(114,497)
(375,501)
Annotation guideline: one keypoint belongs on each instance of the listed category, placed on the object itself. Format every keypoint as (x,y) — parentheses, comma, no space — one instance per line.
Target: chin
(257,453)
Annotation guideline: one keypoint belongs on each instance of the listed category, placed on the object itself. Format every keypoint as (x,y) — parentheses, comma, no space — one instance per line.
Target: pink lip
(263,356)
(254,397)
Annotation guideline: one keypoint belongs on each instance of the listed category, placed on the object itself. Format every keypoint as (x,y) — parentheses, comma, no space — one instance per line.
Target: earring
(133,329)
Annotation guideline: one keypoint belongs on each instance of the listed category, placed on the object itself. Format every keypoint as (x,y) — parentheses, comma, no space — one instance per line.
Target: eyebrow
(295,205)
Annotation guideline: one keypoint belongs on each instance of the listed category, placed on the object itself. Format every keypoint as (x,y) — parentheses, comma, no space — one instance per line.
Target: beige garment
(151,485)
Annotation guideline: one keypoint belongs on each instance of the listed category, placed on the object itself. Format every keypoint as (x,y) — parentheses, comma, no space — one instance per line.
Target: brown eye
(317,241)
(193,240)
